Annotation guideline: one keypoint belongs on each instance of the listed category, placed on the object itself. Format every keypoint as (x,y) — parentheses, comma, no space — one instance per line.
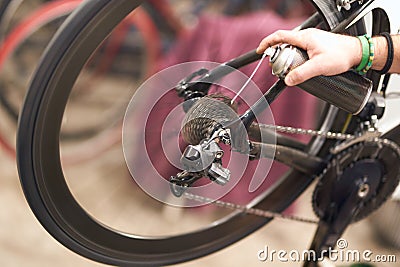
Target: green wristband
(371,55)
(365,53)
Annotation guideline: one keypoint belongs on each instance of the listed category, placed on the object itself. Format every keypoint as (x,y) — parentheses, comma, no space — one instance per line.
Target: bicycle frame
(289,151)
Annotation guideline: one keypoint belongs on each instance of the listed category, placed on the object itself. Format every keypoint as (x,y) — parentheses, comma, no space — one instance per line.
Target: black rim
(42,176)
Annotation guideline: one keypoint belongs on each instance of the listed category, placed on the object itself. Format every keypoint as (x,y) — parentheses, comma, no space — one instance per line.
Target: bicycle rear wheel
(43,178)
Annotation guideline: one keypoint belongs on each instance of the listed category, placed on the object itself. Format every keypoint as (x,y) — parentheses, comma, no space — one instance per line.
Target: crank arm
(331,229)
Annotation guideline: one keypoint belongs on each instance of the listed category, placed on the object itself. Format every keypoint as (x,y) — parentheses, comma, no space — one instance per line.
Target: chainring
(375,163)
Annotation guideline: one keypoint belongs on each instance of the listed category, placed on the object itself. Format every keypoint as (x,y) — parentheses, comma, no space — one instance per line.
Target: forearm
(381,53)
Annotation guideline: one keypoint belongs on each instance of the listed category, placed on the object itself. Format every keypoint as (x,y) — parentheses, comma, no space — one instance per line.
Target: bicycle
(50,199)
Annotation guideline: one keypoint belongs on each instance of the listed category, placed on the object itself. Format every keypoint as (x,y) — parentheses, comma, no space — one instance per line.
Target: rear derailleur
(202,160)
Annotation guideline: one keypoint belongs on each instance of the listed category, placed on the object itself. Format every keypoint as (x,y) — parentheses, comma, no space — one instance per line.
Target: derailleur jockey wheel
(369,169)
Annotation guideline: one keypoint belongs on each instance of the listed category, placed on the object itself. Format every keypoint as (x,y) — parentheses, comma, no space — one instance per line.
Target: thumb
(302,73)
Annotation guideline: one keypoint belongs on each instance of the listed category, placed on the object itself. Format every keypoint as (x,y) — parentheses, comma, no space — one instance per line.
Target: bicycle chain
(313,133)
(271,214)
(250,211)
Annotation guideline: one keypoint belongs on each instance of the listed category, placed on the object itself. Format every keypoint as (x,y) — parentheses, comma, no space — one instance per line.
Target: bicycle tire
(42,176)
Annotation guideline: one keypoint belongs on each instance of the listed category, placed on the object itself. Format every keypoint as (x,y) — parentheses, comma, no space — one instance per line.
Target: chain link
(246,210)
(314,133)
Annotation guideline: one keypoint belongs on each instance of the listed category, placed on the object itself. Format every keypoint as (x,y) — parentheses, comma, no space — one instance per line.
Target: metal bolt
(363,190)
(219,155)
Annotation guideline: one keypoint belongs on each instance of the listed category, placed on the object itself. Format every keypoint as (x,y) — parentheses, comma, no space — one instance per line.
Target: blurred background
(162,34)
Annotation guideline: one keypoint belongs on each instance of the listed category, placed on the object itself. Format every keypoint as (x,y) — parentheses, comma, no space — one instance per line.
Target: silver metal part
(349,139)
(346,4)
(363,190)
(367,9)
(249,210)
(309,132)
(282,60)
(219,174)
(200,157)
(369,135)
(223,135)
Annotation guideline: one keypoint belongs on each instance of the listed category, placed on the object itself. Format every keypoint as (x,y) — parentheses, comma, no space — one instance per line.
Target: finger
(303,73)
(290,37)
(271,40)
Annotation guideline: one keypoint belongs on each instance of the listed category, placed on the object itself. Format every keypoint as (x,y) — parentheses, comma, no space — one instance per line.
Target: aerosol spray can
(348,91)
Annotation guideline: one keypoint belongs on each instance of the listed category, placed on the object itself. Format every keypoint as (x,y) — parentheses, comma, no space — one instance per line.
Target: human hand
(329,53)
